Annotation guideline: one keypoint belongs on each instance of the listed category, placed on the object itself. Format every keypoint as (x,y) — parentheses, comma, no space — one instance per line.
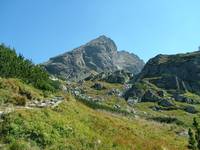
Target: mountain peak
(97,55)
(103,41)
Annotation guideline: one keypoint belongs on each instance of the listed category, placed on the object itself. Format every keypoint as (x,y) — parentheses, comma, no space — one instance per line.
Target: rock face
(168,78)
(119,76)
(179,72)
(94,57)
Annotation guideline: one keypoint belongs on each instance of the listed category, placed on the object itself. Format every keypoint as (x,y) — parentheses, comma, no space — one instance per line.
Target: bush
(22,145)
(19,100)
(167,120)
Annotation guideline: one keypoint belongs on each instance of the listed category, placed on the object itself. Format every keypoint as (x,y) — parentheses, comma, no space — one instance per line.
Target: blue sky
(40,29)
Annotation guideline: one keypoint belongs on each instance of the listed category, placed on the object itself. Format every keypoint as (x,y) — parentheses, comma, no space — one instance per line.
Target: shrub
(167,120)
(19,100)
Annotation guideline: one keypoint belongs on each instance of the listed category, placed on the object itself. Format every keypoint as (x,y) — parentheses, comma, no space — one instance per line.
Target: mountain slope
(78,127)
(96,56)
(179,72)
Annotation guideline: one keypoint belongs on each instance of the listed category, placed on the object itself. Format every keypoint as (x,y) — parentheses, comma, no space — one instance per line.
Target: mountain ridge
(98,55)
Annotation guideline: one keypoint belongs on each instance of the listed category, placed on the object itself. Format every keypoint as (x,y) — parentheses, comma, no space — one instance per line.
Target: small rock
(165,103)
(131,101)
(98,86)
(161,93)
(116,106)
(150,96)
(190,109)
(182,133)
(181,98)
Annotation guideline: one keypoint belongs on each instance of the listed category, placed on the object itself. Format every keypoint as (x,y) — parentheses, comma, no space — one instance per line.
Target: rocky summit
(98,55)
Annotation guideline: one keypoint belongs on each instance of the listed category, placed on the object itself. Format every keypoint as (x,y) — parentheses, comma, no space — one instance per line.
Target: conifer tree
(191,141)
(194,136)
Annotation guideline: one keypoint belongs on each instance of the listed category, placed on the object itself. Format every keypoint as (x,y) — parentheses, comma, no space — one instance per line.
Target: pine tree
(194,136)
(191,141)
(13,65)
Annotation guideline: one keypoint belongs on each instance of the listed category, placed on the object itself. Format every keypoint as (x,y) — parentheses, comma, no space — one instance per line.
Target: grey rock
(161,93)
(116,106)
(165,103)
(190,109)
(115,92)
(181,98)
(179,72)
(132,100)
(150,96)
(98,86)
(119,76)
(98,55)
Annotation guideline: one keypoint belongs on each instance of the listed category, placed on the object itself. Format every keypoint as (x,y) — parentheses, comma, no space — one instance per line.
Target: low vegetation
(78,127)
(16,92)
(194,136)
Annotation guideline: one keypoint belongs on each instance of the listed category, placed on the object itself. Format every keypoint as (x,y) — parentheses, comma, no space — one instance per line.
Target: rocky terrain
(167,79)
(112,108)
(98,55)
(179,72)
(119,76)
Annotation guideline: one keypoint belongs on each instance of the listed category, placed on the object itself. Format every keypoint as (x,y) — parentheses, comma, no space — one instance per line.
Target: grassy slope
(14,90)
(181,115)
(75,126)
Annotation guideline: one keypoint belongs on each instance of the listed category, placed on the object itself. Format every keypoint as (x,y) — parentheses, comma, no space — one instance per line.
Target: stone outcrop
(119,76)
(179,72)
(98,86)
(168,77)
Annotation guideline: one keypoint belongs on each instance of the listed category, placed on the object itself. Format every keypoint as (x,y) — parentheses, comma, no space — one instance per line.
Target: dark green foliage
(168,120)
(194,138)
(191,140)
(16,66)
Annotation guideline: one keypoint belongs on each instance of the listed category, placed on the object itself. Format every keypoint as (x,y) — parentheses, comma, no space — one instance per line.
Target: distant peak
(103,37)
(103,40)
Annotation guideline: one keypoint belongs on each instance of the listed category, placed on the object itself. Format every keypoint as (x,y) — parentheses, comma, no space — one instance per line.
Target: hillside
(13,65)
(79,127)
(98,55)
(109,110)
(179,72)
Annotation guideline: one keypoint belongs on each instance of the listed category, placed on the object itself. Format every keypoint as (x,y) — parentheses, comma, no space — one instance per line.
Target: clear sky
(40,29)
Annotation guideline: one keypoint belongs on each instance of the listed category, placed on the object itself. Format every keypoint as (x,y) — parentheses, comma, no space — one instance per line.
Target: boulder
(161,93)
(116,106)
(181,98)
(165,103)
(119,76)
(115,92)
(132,100)
(190,109)
(98,86)
(150,96)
